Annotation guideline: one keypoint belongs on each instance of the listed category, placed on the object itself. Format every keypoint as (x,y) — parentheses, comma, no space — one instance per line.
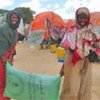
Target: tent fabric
(35,37)
(39,21)
(95,18)
(21,85)
(70,23)
(20,29)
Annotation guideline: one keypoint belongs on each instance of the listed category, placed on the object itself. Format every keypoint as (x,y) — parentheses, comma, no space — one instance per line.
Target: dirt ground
(43,62)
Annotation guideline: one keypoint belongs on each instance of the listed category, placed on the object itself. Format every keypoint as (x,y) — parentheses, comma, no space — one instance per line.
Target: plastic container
(53,48)
(60,52)
(61,60)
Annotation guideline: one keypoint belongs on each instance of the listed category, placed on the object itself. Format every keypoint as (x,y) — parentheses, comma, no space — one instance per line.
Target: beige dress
(77,79)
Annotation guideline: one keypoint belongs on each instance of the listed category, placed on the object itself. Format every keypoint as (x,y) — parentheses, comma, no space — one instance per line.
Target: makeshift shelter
(39,22)
(69,23)
(95,18)
(35,37)
(21,27)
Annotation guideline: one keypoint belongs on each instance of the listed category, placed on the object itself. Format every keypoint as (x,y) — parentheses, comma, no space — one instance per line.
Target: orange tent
(39,21)
(95,18)
(69,23)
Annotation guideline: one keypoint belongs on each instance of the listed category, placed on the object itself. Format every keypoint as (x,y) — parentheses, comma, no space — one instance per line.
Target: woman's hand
(4,59)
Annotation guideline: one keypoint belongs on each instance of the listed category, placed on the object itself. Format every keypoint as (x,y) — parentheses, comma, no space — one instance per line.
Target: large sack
(21,85)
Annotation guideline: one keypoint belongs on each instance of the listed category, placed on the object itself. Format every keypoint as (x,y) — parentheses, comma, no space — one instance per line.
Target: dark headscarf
(8,33)
(80,11)
(8,19)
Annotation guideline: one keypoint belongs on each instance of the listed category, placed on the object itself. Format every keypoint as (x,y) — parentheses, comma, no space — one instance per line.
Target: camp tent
(39,21)
(95,18)
(69,23)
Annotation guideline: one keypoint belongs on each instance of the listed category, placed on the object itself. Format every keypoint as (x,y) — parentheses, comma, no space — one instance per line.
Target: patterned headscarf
(80,11)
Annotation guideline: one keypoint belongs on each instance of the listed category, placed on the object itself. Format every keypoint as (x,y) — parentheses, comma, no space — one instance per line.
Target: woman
(8,38)
(77,72)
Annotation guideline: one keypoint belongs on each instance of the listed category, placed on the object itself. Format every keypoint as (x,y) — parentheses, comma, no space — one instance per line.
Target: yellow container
(53,48)
(60,52)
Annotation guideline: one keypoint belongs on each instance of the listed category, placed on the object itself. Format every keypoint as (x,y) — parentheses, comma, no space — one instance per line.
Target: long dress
(7,47)
(77,79)
(77,67)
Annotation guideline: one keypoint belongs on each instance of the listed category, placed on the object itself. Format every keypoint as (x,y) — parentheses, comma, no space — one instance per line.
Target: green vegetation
(26,14)
(2,11)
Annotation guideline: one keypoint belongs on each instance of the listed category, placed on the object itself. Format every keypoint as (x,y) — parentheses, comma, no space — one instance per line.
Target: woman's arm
(62,70)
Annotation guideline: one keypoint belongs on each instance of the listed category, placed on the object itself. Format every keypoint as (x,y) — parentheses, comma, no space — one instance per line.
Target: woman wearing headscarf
(77,72)
(8,38)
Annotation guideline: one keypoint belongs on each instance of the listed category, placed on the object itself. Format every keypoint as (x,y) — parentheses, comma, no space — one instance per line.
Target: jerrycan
(60,54)
(53,48)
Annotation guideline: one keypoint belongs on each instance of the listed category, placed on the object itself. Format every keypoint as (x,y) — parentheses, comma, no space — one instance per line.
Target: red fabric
(3,75)
(87,41)
(98,51)
(98,40)
(2,81)
(75,57)
(46,36)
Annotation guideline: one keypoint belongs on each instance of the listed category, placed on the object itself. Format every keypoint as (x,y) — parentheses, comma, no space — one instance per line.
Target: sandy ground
(43,62)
